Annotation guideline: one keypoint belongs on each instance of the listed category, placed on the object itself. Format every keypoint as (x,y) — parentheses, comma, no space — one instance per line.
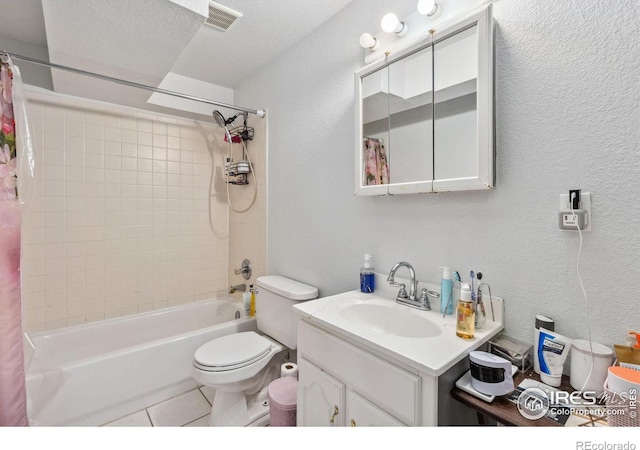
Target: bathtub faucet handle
(245,269)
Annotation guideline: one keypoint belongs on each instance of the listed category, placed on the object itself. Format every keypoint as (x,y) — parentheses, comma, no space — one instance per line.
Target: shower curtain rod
(258,112)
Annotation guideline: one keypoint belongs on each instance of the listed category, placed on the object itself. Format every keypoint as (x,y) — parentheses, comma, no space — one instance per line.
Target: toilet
(240,366)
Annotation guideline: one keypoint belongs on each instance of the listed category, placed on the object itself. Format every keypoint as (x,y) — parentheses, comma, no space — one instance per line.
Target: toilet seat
(232,352)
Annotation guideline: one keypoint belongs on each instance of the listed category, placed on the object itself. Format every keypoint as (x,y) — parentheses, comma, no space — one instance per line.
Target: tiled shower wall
(119,222)
(248,230)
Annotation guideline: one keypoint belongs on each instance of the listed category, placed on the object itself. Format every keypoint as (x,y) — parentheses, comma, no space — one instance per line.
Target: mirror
(425,115)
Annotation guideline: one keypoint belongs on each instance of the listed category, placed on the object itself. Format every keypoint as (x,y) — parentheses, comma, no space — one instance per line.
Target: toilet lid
(232,351)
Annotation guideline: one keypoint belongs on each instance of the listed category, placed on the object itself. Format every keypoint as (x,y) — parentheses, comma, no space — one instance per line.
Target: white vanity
(365,360)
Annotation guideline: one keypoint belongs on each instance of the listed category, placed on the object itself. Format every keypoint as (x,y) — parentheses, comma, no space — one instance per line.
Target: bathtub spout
(238,287)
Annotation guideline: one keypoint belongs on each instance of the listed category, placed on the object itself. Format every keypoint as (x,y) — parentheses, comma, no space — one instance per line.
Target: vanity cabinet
(342,384)
(328,402)
(425,114)
(325,393)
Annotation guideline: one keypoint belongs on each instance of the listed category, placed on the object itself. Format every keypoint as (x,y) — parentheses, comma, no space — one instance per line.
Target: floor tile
(179,410)
(201,422)
(208,392)
(139,419)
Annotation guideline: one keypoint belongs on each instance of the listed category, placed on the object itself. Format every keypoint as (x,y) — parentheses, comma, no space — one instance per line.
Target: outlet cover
(585,200)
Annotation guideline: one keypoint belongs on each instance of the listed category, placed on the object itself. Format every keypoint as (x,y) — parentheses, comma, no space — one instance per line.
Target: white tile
(208,392)
(180,410)
(201,422)
(139,419)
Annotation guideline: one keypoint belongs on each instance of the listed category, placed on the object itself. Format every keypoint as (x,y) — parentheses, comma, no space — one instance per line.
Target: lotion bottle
(541,322)
(367,277)
(446,291)
(465,323)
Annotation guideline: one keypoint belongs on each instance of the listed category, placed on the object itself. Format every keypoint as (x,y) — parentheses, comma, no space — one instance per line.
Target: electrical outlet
(566,219)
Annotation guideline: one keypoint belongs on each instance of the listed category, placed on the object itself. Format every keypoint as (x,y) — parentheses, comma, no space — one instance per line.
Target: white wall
(567,96)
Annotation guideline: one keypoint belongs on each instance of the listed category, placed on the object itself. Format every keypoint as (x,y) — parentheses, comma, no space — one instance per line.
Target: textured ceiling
(146,41)
(266,29)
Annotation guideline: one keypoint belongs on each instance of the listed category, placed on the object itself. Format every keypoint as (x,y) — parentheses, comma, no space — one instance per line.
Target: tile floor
(191,409)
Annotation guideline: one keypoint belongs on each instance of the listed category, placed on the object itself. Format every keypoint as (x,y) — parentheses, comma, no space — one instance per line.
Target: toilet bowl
(240,366)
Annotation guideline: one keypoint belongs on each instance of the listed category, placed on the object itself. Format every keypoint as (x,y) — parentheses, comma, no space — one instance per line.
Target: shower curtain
(376,166)
(16,159)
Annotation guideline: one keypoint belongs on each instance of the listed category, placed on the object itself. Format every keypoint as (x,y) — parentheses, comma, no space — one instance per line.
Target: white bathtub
(95,373)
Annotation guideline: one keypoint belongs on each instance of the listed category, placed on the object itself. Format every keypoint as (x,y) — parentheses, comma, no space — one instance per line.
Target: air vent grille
(221,17)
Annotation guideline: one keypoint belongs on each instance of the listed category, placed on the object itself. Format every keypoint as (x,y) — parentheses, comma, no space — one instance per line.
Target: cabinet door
(321,397)
(362,413)
(463,107)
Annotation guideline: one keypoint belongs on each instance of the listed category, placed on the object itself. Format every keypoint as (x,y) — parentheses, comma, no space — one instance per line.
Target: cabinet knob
(335,413)
(353,423)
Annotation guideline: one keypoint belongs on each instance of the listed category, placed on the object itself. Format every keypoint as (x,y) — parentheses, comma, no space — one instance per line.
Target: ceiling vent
(221,17)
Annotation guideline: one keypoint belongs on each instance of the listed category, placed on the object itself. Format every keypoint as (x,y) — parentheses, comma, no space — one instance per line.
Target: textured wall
(567,96)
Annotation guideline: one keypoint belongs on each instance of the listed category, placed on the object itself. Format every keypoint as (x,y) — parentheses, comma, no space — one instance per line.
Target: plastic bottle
(367,277)
(541,322)
(246,299)
(252,303)
(465,323)
(446,291)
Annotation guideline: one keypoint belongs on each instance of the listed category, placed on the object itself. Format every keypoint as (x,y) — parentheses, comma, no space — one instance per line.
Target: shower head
(222,122)
(219,119)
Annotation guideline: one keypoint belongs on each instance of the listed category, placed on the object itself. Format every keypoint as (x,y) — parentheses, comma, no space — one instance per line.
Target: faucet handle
(402,293)
(424,299)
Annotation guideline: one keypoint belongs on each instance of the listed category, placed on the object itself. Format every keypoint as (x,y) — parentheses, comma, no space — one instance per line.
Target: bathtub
(94,373)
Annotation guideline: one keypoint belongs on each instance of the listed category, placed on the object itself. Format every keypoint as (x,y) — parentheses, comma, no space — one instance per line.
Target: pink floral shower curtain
(376,166)
(13,398)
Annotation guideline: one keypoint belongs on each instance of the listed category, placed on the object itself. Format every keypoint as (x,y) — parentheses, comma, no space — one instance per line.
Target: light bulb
(391,24)
(428,7)
(368,41)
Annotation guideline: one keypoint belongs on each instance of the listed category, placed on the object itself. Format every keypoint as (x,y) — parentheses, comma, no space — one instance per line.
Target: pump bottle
(465,322)
(367,277)
(446,291)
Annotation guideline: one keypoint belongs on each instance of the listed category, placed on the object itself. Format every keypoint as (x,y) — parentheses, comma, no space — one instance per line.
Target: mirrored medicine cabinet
(424,115)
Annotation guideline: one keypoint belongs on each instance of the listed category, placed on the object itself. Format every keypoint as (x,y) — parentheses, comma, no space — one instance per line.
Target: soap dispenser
(367,277)
(446,291)
(465,323)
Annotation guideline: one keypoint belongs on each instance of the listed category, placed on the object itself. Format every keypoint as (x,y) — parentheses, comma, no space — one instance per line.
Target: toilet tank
(275,297)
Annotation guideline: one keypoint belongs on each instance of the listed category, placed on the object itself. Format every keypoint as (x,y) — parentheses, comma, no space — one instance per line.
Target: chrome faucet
(410,299)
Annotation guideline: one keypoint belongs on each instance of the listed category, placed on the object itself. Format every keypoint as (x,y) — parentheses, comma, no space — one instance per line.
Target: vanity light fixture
(428,8)
(391,24)
(368,41)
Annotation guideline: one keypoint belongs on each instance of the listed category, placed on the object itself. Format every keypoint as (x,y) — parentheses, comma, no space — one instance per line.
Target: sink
(385,317)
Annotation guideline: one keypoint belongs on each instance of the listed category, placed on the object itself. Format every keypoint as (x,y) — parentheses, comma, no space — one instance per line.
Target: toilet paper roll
(289,369)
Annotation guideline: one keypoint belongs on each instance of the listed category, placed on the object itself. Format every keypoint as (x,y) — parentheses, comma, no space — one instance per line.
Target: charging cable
(584,294)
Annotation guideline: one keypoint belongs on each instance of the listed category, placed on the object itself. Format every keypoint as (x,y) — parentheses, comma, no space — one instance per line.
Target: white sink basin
(422,339)
(387,317)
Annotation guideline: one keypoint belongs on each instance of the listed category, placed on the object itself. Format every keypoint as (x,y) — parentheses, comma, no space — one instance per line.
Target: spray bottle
(367,277)
(446,291)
